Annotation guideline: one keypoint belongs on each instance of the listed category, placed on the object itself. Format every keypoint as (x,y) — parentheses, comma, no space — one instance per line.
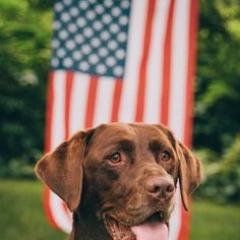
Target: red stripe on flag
(192,52)
(192,41)
(48,134)
(164,103)
(68,94)
(116,100)
(144,61)
(185,225)
(91,100)
(49,112)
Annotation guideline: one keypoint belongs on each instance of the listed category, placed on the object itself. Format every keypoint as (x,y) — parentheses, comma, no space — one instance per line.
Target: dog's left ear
(62,169)
(190,172)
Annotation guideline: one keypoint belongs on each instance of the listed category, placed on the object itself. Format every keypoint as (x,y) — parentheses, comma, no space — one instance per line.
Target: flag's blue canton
(90,36)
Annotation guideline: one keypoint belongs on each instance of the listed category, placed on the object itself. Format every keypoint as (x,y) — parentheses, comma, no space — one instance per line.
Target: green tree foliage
(223,180)
(217,111)
(25,33)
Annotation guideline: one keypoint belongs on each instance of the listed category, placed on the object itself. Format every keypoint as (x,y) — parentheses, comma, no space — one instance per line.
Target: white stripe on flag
(78,102)
(175,220)
(104,100)
(58,131)
(179,58)
(63,220)
(178,91)
(154,69)
(134,53)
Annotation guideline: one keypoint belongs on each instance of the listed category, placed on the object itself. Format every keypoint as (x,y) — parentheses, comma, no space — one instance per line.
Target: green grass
(21,215)
(22,218)
(214,221)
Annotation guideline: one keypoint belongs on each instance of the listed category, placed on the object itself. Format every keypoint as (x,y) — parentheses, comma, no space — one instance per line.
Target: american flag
(120,60)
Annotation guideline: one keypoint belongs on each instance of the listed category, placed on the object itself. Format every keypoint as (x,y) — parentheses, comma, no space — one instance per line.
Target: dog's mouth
(152,228)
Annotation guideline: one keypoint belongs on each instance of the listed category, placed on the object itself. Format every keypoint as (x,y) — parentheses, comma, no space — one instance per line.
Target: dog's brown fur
(95,183)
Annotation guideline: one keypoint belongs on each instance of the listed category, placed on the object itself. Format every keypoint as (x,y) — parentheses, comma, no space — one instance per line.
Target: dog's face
(127,173)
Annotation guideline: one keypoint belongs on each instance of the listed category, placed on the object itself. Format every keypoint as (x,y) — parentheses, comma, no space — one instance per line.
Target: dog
(119,180)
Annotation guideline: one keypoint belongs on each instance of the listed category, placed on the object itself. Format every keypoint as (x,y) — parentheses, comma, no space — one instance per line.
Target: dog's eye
(115,158)
(165,156)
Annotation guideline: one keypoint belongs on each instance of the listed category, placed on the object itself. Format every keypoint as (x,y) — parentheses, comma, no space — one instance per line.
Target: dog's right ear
(62,169)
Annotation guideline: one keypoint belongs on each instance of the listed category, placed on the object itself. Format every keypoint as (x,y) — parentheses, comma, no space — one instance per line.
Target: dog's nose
(160,187)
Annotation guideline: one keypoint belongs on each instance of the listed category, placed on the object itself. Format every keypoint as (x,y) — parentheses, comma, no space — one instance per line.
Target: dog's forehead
(114,132)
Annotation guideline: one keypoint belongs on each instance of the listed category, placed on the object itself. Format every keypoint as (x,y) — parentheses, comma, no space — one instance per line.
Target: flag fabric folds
(120,60)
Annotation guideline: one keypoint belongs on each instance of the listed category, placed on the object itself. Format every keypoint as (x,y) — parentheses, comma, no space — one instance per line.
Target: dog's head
(127,173)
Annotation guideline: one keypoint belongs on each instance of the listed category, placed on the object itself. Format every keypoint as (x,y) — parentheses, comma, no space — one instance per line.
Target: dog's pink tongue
(151,231)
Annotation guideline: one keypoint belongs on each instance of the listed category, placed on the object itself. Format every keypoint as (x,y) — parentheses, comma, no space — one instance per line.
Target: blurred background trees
(25,35)
(25,49)
(217,99)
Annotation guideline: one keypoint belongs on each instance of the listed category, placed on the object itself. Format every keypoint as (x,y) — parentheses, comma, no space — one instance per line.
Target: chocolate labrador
(119,180)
